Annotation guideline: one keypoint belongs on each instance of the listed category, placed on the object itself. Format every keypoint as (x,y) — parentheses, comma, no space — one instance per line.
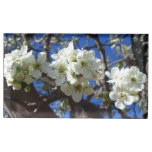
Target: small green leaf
(27,88)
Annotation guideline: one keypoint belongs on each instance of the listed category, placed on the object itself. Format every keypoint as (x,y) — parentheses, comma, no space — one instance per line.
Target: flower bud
(17,86)
(19,76)
(28,80)
(27,88)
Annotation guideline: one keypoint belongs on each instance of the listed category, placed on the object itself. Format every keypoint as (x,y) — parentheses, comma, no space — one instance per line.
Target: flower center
(116,76)
(122,96)
(78,88)
(133,79)
(73,58)
(61,69)
(83,64)
(78,76)
(36,66)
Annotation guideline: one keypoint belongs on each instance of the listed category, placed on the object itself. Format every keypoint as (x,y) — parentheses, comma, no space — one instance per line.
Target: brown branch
(103,60)
(31,48)
(18,103)
(25,37)
(118,61)
(46,45)
(89,47)
(48,80)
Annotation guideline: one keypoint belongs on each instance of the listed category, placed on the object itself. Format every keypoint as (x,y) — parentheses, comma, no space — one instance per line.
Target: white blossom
(121,97)
(127,83)
(39,66)
(59,71)
(77,89)
(72,70)
(135,79)
(115,75)
(72,76)
(87,64)
(16,67)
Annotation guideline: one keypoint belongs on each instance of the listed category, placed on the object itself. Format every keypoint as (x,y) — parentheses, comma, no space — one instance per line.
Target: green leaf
(27,88)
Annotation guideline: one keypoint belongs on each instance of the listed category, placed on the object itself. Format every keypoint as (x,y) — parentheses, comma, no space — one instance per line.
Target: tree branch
(46,45)
(38,41)
(103,60)
(118,61)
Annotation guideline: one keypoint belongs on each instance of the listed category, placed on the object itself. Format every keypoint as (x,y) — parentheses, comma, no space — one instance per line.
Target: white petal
(73,81)
(144,78)
(91,54)
(30,59)
(86,73)
(108,74)
(41,57)
(37,74)
(17,86)
(24,49)
(80,56)
(59,81)
(120,105)
(55,64)
(66,89)
(129,100)
(76,68)
(136,98)
(45,67)
(114,70)
(53,74)
(77,97)
(111,81)
(70,46)
(55,56)
(113,95)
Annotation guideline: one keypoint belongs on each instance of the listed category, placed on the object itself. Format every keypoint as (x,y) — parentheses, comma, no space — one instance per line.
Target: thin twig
(38,41)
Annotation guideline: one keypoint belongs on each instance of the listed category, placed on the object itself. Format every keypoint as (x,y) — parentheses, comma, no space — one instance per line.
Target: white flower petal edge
(77,96)
(120,105)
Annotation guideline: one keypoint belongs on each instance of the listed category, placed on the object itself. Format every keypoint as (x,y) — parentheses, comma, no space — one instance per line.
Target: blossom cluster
(127,83)
(73,68)
(21,66)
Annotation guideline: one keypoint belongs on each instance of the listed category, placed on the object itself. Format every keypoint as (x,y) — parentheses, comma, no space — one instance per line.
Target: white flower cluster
(127,82)
(21,66)
(72,69)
